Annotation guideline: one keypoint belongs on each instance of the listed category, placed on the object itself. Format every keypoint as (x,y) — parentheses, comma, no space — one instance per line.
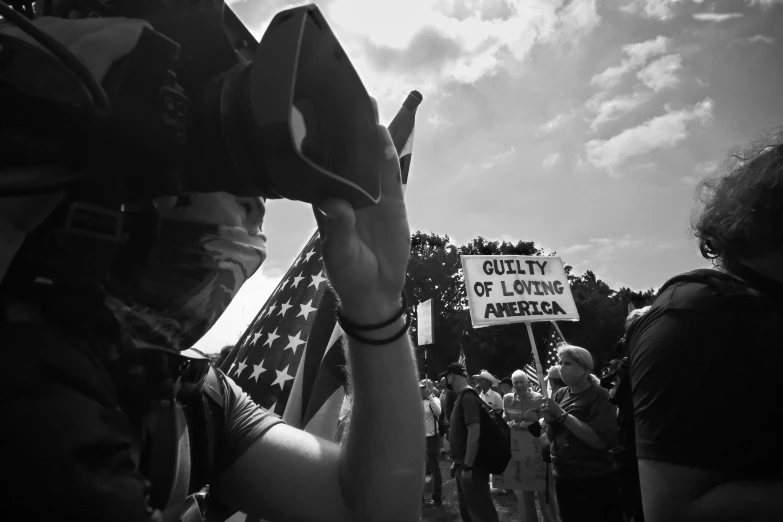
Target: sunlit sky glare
(582,125)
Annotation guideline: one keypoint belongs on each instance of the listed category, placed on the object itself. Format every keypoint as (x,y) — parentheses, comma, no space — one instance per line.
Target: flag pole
(554,323)
(539,368)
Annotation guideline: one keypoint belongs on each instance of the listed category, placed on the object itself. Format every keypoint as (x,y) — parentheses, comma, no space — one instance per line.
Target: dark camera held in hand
(198,106)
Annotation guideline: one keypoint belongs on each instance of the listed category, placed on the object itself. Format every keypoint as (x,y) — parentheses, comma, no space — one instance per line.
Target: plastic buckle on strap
(94,222)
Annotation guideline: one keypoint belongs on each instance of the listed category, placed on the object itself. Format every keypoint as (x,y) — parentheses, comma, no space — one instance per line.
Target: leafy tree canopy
(435,272)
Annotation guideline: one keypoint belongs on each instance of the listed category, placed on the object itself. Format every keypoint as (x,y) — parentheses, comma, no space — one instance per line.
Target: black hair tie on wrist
(350,328)
(349,325)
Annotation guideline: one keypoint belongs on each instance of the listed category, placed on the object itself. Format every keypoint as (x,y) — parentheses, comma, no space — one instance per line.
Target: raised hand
(366,251)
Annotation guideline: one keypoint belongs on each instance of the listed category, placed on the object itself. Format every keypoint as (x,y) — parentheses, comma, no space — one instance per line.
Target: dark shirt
(465,412)
(74,453)
(706,378)
(573,458)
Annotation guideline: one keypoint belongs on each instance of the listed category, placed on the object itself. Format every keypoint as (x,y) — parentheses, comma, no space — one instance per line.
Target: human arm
(474,434)
(435,406)
(676,493)
(365,255)
(580,427)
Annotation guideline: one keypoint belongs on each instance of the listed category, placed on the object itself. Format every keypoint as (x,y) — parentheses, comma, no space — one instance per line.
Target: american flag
(462,359)
(290,360)
(553,341)
(532,375)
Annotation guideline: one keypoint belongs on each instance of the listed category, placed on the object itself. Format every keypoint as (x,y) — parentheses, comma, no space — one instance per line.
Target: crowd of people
(576,422)
(107,418)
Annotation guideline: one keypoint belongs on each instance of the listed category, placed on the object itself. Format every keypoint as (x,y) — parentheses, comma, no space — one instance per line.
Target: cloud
(551,160)
(573,249)
(716,17)
(638,54)
(666,245)
(492,161)
(608,247)
(555,123)
(690,180)
(608,110)
(660,132)
(436,120)
(761,38)
(764,3)
(483,9)
(658,9)
(706,167)
(661,73)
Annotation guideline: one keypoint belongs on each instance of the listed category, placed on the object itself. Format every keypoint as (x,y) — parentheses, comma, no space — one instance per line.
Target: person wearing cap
(486,380)
(432,410)
(475,502)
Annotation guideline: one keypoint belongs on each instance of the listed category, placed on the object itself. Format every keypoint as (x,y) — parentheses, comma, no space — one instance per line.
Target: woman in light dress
(523,408)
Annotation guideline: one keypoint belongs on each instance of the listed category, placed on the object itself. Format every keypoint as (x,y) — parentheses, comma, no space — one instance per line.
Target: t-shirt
(572,458)
(518,408)
(706,378)
(465,412)
(74,452)
(492,398)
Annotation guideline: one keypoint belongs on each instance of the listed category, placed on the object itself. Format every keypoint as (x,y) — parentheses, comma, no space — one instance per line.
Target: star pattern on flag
(240,367)
(294,342)
(296,280)
(317,279)
(269,362)
(306,310)
(258,370)
(271,337)
(282,377)
(284,307)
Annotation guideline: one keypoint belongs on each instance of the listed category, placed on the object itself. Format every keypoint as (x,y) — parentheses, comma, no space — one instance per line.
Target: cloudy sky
(582,125)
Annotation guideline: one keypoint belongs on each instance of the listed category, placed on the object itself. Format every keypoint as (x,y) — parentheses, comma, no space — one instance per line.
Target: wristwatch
(561,418)
(467,468)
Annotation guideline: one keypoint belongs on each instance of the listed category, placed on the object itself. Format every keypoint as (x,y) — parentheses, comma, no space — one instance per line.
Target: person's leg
(463,508)
(434,467)
(478,499)
(526,503)
(547,508)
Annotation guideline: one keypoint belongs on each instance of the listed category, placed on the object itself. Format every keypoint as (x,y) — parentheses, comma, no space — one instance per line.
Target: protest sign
(527,470)
(511,289)
(424,322)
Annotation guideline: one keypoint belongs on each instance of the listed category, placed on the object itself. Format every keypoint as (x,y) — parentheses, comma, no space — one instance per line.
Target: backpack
(494,451)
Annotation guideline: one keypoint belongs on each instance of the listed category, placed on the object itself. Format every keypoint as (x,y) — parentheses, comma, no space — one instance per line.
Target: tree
(435,272)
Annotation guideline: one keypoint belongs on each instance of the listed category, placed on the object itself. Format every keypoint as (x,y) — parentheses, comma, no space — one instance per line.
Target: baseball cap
(456,369)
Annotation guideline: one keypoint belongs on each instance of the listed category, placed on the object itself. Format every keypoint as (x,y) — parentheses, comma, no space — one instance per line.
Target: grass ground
(506,505)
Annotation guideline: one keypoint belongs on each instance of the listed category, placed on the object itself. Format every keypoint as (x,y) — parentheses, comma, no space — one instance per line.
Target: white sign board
(424,322)
(527,470)
(513,289)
